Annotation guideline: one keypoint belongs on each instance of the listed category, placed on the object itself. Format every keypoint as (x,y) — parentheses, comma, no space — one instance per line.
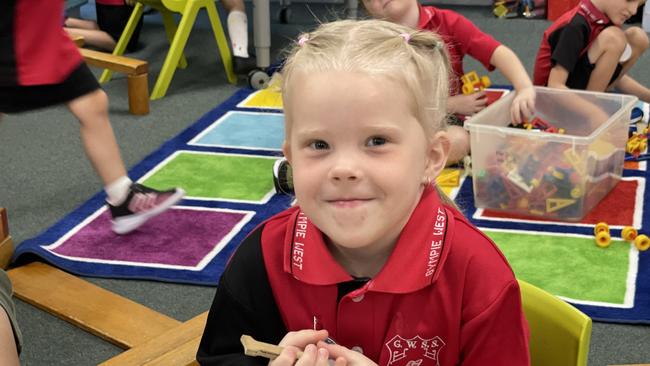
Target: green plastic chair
(176,36)
(559,333)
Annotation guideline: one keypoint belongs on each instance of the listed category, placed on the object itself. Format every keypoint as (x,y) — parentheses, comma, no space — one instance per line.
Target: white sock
(238,31)
(118,190)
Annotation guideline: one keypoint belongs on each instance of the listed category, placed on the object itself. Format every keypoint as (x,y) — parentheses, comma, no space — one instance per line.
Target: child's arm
(557,77)
(8,349)
(508,63)
(9,342)
(467,105)
(628,85)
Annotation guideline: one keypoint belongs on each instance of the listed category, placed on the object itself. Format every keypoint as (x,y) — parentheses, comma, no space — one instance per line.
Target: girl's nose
(344,170)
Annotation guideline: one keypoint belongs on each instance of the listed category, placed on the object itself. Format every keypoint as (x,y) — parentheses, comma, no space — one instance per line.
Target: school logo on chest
(415,351)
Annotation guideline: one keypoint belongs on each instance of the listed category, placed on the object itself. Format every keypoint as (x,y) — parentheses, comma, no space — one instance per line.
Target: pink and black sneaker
(140,205)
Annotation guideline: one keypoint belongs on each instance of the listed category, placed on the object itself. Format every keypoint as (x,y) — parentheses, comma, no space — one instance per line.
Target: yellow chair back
(559,333)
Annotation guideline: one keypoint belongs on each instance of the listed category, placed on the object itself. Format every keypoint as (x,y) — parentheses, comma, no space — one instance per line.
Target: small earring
(426,181)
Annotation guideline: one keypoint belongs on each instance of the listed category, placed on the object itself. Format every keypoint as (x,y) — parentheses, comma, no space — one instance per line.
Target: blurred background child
(587,49)
(41,67)
(462,38)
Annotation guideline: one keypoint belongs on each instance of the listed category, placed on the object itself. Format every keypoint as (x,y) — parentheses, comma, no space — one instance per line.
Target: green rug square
(212,176)
(568,266)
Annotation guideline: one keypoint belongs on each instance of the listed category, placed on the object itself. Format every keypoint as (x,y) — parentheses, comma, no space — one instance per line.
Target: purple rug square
(182,238)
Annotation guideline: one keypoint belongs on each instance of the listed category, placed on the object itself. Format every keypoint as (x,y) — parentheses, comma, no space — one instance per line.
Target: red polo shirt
(34,48)
(446,295)
(568,38)
(461,36)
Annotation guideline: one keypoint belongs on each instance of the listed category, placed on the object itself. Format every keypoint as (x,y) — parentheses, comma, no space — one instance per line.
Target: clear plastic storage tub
(561,174)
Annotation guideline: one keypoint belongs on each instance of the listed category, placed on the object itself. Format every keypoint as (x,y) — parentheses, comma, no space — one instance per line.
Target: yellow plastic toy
(472,83)
(603,239)
(601,231)
(601,226)
(559,333)
(642,242)
(629,233)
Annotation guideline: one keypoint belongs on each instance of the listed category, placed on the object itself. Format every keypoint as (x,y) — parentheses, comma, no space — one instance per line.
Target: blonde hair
(417,60)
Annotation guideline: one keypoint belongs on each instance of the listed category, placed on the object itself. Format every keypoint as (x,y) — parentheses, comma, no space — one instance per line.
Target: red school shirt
(461,36)
(34,48)
(446,296)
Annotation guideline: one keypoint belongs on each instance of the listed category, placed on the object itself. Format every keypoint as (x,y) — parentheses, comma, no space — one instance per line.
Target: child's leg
(237,26)
(80,23)
(238,32)
(638,41)
(459,144)
(97,135)
(605,53)
(131,205)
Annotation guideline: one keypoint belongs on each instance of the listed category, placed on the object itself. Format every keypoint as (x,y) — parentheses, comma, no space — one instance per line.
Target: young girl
(462,38)
(373,255)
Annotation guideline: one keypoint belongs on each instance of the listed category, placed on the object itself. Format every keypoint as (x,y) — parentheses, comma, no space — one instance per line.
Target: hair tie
(302,40)
(406,36)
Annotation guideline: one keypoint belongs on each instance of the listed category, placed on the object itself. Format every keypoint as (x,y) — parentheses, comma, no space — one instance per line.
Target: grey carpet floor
(44,175)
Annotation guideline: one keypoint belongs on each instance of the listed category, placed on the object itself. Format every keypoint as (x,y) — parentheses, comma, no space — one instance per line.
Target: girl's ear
(286,151)
(437,153)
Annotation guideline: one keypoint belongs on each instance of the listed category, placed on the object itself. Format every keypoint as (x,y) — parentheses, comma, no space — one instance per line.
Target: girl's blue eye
(319,145)
(376,141)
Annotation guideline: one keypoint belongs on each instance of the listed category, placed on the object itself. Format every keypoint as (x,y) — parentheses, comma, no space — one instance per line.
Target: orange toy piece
(642,243)
(472,83)
(601,226)
(629,233)
(601,231)
(603,239)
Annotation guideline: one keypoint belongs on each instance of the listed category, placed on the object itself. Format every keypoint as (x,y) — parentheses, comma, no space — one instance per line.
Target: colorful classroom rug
(224,163)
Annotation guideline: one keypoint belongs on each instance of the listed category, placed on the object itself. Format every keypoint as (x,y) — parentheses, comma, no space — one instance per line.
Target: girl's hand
(311,356)
(345,356)
(523,105)
(297,341)
(467,105)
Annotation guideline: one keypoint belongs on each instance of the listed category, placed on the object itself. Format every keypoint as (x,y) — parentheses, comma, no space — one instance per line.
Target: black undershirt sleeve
(568,42)
(243,304)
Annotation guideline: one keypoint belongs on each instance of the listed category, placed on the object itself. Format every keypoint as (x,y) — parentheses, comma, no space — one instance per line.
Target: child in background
(40,67)
(373,255)
(462,38)
(10,337)
(587,49)
(112,16)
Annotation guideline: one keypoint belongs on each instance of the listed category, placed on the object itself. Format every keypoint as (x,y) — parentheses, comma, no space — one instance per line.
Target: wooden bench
(136,72)
(181,342)
(151,337)
(6,244)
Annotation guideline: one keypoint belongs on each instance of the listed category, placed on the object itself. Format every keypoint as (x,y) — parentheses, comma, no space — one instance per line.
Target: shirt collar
(592,13)
(426,16)
(420,252)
